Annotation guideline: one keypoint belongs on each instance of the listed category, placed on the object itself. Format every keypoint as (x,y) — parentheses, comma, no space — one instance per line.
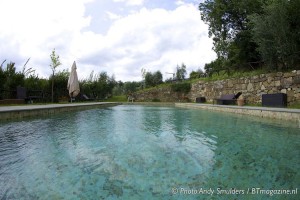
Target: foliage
(155,100)
(61,82)
(131,87)
(121,98)
(232,37)
(153,79)
(197,74)
(183,87)
(181,72)
(9,78)
(55,62)
(277,34)
(214,67)
(99,86)
(27,71)
(248,35)
(126,88)
(33,82)
(294,106)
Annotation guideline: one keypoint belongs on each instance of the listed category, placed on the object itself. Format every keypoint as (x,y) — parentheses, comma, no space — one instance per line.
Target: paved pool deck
(265,112)
(19,112)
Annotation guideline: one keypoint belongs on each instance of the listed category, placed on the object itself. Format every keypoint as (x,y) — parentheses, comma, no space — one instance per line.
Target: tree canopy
(251,34)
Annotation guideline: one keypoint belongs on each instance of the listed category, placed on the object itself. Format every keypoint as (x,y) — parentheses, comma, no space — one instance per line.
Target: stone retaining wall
(252,88)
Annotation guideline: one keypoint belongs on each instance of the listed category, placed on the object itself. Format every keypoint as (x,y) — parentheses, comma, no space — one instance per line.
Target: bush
(181,87)
(155,100)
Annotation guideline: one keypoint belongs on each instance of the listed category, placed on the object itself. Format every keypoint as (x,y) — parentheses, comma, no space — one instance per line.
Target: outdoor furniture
(33,94)
(274,100)
(86,98)
(200,100)
(227,99)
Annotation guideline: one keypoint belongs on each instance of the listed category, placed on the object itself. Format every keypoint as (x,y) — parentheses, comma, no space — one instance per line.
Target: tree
(276,33)
(197,74)
(103,85)
(10,78)
(181,72)
(231,31)
(215,66)
(55,62)
(144,72)
(131,87)
(153,79)
(61,80)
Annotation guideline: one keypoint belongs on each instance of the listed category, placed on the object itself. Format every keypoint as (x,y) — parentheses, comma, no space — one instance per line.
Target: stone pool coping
(265,112)
(19,112)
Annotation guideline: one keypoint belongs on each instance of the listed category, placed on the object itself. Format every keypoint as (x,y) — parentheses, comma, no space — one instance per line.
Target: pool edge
(20,112)
(273,113)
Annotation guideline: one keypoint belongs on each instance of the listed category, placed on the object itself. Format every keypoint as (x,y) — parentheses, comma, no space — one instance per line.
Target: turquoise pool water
(144,152)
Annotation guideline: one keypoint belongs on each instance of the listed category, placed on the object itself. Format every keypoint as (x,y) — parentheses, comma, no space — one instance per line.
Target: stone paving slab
(275,113)
(48,106)
(18,112)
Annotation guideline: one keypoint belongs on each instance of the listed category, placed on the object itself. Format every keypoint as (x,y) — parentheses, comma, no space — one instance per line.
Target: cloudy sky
(119,37)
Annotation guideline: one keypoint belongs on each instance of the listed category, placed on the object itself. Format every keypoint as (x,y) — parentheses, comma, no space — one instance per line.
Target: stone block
(271,75)
(296,80)
(262,76)
(283,91)
(290,93)
(270,79)
(244,86)
(230,84)
(250,87)
(288,74)
(287,82)
(277,83)
(263,79)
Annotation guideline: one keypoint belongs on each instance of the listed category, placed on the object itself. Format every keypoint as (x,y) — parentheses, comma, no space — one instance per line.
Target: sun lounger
(86,98)
(227,99)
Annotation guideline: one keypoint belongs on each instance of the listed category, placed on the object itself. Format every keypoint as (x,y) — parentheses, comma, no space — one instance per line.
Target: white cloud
(112,16)
(131,2)
(179,2)
(39,26)
(155,39)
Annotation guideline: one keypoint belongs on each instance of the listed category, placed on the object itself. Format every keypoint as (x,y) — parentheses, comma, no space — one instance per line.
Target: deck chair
(86,98)
(228,99)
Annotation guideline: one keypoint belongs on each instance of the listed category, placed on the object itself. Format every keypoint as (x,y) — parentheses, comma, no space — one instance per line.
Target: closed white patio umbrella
(73,83)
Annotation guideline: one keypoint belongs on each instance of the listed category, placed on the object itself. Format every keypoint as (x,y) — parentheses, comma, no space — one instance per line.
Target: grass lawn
(121,98)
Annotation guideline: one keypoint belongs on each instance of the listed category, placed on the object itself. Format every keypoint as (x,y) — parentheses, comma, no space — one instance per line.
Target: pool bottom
(136,152)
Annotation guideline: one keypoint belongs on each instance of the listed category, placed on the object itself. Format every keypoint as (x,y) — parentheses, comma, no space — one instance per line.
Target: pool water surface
(148,152)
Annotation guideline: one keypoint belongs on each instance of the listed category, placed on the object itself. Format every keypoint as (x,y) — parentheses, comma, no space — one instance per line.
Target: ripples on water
(135,152)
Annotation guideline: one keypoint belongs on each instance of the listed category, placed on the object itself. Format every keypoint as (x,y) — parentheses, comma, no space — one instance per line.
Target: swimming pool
(148,152)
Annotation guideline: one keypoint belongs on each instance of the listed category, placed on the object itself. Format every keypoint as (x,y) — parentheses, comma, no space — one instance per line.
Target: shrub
(155,100)
(181,87)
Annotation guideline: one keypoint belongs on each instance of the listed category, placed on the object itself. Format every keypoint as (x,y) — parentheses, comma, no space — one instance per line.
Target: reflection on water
(136,152)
